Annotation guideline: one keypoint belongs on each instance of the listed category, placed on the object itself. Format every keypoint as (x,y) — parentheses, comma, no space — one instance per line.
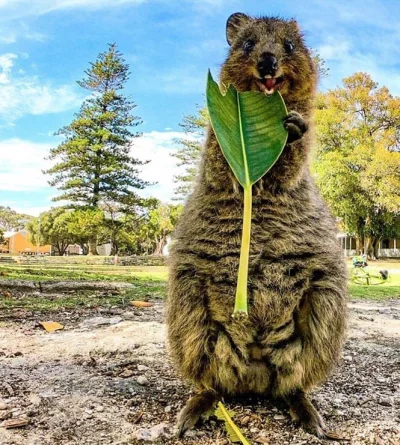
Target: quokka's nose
(268,65)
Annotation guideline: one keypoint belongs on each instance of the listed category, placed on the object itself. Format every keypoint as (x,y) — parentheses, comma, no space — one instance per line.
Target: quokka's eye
(289,47)
(248,45)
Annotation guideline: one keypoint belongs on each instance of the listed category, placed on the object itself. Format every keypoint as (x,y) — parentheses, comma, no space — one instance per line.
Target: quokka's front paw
(295,125)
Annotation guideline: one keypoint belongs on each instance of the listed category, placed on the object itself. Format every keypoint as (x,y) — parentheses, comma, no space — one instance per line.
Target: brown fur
(297,277)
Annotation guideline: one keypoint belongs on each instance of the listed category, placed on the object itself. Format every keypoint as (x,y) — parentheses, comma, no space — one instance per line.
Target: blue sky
(46,45)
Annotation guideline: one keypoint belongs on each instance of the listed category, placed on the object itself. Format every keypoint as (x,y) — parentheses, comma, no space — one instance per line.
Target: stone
(152,434)
(279,417)
(100,321)
(142,380)
(3,406)
(385,401)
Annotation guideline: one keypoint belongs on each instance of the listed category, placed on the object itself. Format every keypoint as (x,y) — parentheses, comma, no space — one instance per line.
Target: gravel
(114,384)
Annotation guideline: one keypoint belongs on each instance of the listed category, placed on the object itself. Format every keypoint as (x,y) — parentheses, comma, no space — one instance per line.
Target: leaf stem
(241,288)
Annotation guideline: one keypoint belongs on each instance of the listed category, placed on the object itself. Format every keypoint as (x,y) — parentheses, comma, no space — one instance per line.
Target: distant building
(104,249)
(17,243)
(388,248)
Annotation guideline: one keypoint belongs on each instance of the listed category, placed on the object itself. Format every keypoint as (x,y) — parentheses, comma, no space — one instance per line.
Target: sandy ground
(94,383)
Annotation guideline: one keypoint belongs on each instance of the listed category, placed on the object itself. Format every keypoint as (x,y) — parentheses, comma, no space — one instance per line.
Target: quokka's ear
(295,26)
(233,24)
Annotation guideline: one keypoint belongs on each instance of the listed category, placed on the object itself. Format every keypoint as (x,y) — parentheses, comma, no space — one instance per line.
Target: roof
(11,233)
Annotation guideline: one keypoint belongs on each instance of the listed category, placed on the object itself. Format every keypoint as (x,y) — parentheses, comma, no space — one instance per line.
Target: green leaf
(249,129)
(233,430)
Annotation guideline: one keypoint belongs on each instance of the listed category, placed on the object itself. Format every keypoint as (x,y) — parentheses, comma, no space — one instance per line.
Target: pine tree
(188,153)
(94,162)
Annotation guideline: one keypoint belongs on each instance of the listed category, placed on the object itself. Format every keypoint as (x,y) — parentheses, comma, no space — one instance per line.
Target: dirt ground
(106,379)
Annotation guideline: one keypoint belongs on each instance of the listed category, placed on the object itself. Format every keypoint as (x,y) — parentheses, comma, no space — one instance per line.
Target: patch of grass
(381,292)
(62,302)
(385,291)
(82,299)
(148,283)
(108,273)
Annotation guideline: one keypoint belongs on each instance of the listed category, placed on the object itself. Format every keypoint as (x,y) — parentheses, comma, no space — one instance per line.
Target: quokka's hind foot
(200,405)
(303,412)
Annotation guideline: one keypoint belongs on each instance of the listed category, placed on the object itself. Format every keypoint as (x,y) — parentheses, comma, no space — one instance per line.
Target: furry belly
(235,371)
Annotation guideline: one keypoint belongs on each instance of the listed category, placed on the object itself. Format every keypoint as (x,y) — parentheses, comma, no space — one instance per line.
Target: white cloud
(6,63)
(8,38)
(14,9)
(180,80)
(21,94)
(28,209)
(10,33)
(21,163)
(334,50)
(344,60)
(157,146)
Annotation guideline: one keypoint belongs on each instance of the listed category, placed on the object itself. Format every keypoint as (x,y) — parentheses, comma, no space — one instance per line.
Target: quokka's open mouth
(270,84)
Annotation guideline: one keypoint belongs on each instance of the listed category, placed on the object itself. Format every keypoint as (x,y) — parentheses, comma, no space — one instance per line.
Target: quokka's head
(266,55)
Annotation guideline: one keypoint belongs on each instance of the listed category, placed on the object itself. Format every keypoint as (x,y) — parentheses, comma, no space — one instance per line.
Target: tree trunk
(369,247)
(93,245)
(359,247)
(85,249)
(64,248)
(160,245)
(114,249)
(376,247)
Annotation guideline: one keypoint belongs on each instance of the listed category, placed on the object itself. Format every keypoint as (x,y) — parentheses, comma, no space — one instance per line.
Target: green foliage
(189,151)
(152,229)
(94,162)
(322,69)
(51,227)
(161,222)
(357,161)
(84,224)
(2,239)
(122,225)
(11,220)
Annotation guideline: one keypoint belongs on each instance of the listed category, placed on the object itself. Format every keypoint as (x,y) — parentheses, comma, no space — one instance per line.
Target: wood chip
(262,439)
(15,423)
(137,303)
(126,373)
(51,326)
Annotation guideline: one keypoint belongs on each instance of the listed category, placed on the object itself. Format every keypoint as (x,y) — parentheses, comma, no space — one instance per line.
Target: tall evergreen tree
(188,153)
(94,162)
